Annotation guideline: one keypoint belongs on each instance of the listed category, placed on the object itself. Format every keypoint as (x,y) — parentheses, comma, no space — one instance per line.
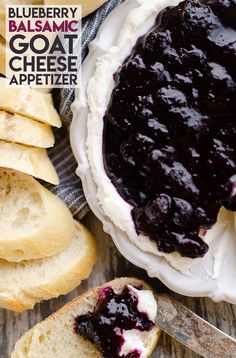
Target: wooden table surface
(110,264)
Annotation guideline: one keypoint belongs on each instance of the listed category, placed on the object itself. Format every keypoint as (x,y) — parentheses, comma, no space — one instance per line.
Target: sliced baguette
(23,130)
(28,102)
(2,21)
(4,50)
(34,223)
(4,3)
(2,53)
(87,7)
(44,89)
(29,160)
(24,284)
(55,337)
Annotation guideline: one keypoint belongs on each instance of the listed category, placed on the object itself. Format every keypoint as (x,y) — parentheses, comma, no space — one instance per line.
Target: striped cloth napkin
(70,189)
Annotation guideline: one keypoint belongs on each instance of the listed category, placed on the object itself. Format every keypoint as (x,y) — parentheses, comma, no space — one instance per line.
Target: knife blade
(191,330)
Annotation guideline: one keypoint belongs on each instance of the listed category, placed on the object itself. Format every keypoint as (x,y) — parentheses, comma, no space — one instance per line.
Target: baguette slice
(87,7)
(24,284)
(4,3)
(2,52)
(23,130)
(28,102)
(29,160)
(2,22)
(44,89)
(34,223)
(55,337)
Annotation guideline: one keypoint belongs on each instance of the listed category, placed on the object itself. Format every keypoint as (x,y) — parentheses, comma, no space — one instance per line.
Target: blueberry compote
(169,131)
(113,314)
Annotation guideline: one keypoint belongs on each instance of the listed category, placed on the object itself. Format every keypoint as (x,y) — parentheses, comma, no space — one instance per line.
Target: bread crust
(29,343)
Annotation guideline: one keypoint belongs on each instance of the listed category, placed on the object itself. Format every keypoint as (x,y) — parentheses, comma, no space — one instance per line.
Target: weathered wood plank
(110,264)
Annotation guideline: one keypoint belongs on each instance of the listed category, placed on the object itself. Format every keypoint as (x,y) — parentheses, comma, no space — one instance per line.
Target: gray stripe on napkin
(70,189)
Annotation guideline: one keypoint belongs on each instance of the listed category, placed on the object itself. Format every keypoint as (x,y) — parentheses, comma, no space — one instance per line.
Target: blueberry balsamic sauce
(113,314)
(169,136)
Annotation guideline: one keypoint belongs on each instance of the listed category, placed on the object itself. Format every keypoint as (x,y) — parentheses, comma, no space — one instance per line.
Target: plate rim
(78,134)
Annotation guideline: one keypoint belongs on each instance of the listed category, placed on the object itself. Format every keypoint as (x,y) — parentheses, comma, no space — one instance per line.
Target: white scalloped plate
(214,275)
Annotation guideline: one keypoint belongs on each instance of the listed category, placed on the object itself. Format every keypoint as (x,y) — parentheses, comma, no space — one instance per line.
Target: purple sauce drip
(113,314)
(170,129)
(134,354)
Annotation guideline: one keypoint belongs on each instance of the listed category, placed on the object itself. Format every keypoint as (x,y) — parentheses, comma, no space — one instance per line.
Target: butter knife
(191,330)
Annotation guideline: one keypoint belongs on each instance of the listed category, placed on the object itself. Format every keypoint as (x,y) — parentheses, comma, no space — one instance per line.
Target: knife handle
(191,330)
